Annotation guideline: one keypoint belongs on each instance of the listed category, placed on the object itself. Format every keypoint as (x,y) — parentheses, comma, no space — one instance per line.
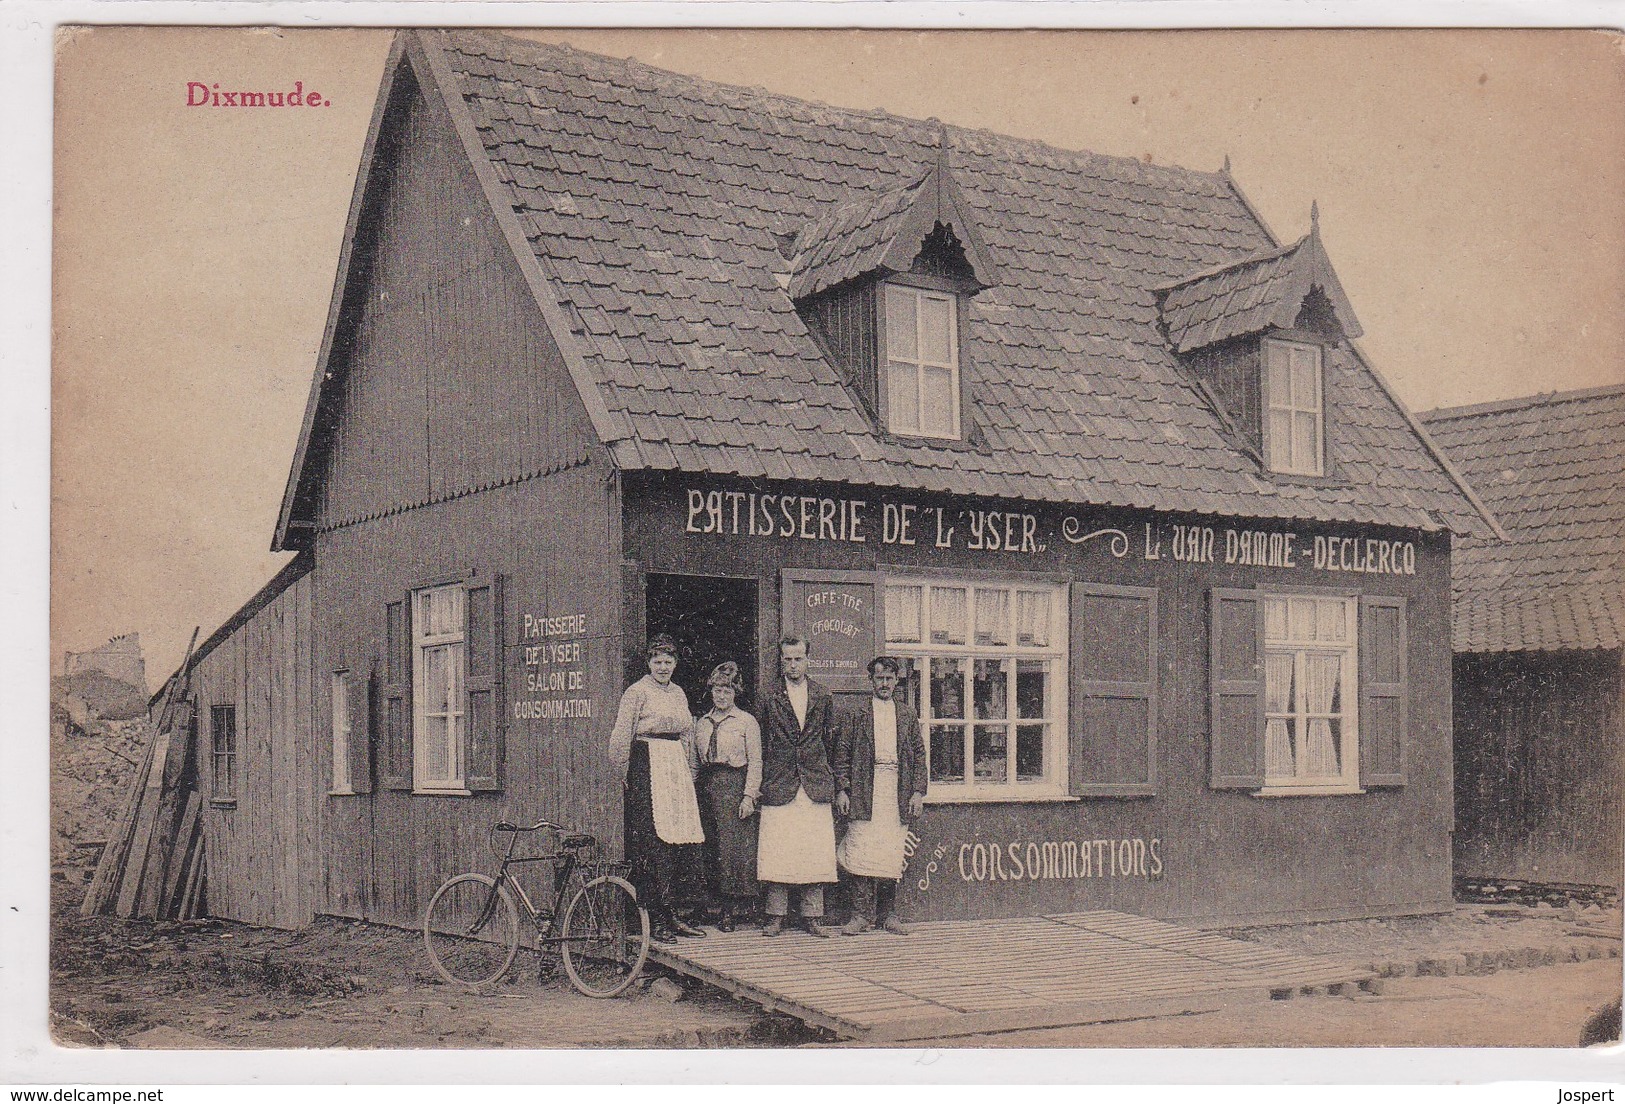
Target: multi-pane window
(922,362)
(1296,419)
(984,666)
(223,743)
(341,732)
(1310,727)
(439,666)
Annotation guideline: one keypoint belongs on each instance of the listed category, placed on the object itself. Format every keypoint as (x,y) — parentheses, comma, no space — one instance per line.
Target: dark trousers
(667,876)
(874,899)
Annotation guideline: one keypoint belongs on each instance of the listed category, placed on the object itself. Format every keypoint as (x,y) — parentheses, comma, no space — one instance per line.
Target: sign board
(835,611)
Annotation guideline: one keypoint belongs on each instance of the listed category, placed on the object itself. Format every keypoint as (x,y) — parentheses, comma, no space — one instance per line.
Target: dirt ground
(1484,975)
(213,984)
(1544,1007)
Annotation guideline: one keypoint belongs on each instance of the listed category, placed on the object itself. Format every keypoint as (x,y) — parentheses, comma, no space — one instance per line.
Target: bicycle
(471,925)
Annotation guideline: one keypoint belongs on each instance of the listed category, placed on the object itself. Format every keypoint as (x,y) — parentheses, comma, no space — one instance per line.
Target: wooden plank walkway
(963,977)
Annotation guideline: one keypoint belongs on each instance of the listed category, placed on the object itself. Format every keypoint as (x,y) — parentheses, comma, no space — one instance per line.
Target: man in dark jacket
(880,784)
(796,841)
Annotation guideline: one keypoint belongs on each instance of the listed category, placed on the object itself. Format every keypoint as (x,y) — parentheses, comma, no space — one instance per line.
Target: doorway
(712,619)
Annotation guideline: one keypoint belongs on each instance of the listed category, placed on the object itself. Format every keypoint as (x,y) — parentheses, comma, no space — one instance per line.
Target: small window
(341,732)
(439,666)
(984,667)
(223,743)
(1310,727)
(1295,422)
(921,375)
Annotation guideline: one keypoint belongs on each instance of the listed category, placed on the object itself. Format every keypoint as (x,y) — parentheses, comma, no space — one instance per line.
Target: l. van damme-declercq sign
(1017,532)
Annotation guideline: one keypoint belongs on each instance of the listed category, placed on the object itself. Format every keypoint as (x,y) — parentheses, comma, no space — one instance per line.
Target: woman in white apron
(653,745)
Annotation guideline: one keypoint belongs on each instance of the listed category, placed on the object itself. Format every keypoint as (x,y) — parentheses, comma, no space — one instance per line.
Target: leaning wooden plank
(187,909)
(144,872)
(183,901)
(200,888)
(180,857)
(170,811)
(107,887)
(104,885)
(141,839)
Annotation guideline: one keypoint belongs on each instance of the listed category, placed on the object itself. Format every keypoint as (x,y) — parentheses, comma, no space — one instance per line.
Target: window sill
(962,443)
(1303,479)
(340,793)
(1306,791)
(443,791)
(1042,798)
(222,802)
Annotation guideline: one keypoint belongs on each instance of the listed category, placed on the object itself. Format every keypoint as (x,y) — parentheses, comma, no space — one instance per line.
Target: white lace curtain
(1322,676)
(1278,759)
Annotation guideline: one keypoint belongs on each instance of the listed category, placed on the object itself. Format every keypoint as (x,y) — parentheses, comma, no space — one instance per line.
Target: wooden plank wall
(263,863)
(1540,754)
(441,390)
(460,446)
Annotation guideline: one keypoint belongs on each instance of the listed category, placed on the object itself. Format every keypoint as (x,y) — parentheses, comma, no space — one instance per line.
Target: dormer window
(922,362)
(1294,396)
(881,284)
(1255,336)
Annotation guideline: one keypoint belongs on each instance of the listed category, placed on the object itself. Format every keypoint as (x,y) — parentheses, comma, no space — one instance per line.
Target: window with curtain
(1310,727)
(1295,421)
(984,666)
(439,664)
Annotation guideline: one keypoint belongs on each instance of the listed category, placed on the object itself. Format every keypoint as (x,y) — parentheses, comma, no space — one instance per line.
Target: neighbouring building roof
(660,209)
(1552,470)
(1253,294)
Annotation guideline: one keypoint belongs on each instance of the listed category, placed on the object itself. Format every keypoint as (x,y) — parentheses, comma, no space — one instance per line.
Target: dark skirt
(666,875)
(730,843)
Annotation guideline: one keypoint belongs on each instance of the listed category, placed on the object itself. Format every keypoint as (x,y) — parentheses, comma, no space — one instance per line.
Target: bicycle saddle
(577,840)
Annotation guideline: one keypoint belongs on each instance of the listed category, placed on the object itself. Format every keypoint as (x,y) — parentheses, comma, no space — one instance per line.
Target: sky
(1471,188)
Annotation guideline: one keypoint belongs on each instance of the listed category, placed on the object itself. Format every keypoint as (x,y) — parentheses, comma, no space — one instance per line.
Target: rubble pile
(97,743)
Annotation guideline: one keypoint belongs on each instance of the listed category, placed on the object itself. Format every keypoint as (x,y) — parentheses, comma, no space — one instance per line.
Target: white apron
(873,848)
(796,843)
(671,793)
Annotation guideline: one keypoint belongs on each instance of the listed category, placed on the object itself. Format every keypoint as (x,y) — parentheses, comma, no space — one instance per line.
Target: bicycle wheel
(471,935)
(605,937)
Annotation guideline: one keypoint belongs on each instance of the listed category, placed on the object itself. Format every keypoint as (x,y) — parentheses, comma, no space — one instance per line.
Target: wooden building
(1537,630)
(614,351)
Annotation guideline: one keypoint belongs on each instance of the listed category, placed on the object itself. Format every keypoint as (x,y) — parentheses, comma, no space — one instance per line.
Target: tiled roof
(850,241)
(1552,470)
(1252,295)
(656,205)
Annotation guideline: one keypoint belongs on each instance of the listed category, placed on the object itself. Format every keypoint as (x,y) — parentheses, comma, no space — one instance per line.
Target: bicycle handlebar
(504,826)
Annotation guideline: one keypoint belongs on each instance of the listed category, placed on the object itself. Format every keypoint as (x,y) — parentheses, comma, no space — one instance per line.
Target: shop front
(1185,717)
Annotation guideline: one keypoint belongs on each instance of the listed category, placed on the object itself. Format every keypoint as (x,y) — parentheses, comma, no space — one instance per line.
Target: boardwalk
(963,977)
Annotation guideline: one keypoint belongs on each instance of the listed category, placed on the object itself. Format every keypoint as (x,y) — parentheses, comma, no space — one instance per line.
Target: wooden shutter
(363,726)
(396,767)
(1112,744)
(482,716)
(1383,691)
(1236,676)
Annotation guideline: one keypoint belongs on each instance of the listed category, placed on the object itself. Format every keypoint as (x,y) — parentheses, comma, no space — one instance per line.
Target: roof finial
(1314,216)
(1226,168)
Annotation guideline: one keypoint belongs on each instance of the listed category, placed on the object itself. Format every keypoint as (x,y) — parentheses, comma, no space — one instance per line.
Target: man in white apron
(796,840)
(880,784)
